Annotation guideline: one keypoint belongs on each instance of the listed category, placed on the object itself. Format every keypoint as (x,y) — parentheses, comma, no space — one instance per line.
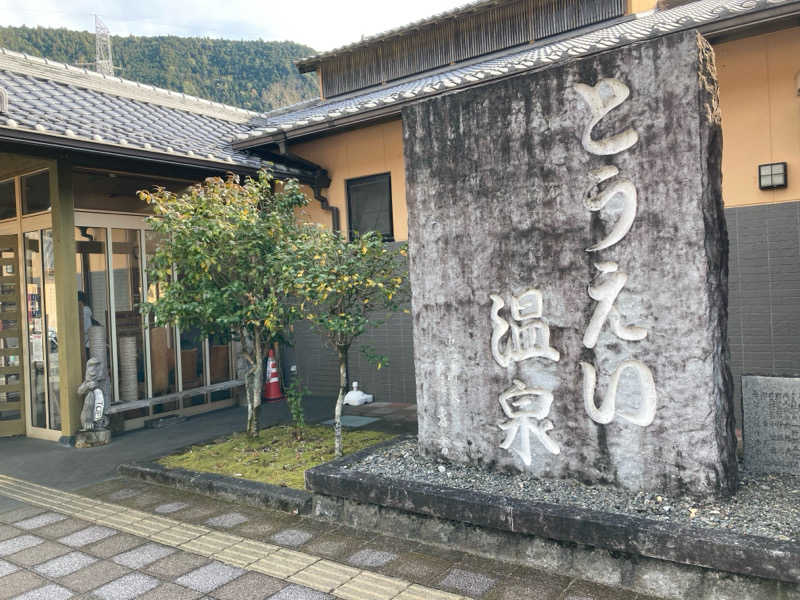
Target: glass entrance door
(12,415)
(43,368)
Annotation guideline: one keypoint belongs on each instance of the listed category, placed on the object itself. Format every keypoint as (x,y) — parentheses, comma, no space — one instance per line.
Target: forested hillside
(251,74)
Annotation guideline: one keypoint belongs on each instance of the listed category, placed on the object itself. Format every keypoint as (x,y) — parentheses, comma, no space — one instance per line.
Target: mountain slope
(251,74)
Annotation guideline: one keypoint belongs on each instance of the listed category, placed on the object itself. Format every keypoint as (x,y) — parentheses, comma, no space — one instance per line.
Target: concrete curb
(231,489)
(635,536)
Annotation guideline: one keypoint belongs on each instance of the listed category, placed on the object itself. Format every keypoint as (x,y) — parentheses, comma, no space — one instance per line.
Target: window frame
(22,198)
(356,180)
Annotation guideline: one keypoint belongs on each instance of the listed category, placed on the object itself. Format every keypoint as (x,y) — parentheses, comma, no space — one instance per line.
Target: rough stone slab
(47,592)
(291,537)
(90,535)
(127,587)
(468,582)
(299,592)
(19,543)
(6,568)
(40,521)
(39,554)
(250,585)
(496,179)
(64,565)
(142,556)
(209,577)
(227,520)
(771,424)
(93,576)
(170,507)
(369,557)
(20,582)
(639,537)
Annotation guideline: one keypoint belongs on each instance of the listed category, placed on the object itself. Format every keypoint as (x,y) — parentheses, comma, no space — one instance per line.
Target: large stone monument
(569,271)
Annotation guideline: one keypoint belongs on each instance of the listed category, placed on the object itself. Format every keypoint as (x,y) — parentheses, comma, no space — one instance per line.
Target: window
(369,205)
(772,176)
(35,192)
(8,200)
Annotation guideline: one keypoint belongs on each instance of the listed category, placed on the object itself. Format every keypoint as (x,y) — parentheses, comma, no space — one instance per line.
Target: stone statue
(94,403)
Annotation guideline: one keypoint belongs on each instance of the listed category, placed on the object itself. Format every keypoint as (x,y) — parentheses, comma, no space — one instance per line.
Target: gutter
(58,142)
(355,120)
(717,29)
(712,30)
(314,176)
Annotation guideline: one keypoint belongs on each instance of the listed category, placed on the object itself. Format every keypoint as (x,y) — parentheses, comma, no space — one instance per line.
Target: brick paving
(111,542)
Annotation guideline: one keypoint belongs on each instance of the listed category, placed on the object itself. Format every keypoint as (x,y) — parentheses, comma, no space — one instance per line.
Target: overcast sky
(321,24)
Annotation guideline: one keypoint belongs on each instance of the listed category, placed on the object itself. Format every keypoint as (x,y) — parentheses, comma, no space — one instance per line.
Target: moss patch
(275,456)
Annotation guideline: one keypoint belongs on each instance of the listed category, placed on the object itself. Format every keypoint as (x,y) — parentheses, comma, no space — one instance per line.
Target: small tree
(342,285)
(230,246)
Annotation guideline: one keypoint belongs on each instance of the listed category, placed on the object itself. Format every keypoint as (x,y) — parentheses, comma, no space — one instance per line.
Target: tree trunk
(255,381)
(337,416)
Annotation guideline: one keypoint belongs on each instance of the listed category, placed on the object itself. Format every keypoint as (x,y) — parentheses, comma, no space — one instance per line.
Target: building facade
(355,133)
(75,146)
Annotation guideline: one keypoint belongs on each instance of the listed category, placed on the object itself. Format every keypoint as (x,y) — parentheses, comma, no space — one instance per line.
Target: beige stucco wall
(358,153)
(761,124)
(760,114)
(637,6)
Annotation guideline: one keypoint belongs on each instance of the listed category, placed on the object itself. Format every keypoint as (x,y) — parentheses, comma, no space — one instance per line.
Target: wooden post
(69,335)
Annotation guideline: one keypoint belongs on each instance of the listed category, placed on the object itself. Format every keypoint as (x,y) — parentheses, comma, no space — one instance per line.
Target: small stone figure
(94,404)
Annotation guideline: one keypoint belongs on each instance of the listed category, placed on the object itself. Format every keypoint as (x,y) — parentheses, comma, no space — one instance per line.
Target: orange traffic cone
(272,383)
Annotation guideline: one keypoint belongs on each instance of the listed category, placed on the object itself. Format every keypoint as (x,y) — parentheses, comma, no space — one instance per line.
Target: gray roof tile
(63,101)
(624,31)
(57,108)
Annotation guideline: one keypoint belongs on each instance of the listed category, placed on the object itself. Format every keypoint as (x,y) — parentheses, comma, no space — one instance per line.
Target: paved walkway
(123,539)
(59,466)
(52,464)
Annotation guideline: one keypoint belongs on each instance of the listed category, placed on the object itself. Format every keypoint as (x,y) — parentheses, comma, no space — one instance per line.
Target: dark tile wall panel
(393,339)
(317,364)
(318,367)
(763,319)
(764,291)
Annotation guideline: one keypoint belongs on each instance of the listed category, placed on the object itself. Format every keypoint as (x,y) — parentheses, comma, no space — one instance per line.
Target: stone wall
(569,271)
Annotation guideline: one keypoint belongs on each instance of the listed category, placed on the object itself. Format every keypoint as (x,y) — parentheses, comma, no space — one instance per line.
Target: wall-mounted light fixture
(772,176)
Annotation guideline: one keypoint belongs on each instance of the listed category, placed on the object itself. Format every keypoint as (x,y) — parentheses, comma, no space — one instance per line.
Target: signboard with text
(567,251)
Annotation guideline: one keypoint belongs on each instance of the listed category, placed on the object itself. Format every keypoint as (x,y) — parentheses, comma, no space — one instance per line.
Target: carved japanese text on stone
(569,308)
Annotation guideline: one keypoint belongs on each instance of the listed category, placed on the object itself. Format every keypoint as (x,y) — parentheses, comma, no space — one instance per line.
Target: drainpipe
(321,180)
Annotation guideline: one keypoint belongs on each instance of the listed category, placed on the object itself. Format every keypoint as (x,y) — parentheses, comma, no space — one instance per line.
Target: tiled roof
(275,125)
(73,104)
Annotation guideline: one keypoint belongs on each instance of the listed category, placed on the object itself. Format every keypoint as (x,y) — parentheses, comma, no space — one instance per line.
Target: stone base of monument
(90,439)
(639,554)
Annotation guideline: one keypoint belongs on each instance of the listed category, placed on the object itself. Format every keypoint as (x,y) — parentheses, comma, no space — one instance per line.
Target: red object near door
(272,383)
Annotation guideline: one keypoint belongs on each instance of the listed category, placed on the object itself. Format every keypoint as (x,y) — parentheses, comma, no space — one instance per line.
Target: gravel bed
(765,505)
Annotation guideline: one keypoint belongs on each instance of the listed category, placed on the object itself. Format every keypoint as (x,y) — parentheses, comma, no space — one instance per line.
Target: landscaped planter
(642,554)
(232,489)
